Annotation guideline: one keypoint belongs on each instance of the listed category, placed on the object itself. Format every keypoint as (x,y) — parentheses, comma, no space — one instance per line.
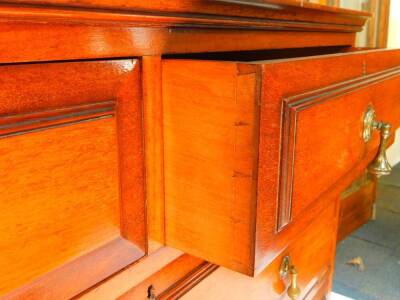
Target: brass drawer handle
(287,269)
(293,290)
(151,293)
(380,165)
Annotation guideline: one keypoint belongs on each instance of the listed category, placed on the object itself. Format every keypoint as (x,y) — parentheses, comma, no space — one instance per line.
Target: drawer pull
(151,295)
(287,269)
(293,289)
(380,165)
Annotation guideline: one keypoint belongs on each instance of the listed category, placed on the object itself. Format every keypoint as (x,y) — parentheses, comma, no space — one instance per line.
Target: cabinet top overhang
(247,14)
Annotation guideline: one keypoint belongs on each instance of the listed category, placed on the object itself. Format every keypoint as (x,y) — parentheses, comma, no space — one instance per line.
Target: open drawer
(251,146)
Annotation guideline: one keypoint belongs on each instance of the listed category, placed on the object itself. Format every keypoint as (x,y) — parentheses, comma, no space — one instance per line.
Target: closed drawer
(251,147)
(71,184)
(310,253)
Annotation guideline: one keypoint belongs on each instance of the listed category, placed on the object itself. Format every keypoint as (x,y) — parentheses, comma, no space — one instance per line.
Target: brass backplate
(284,269)
(369,121)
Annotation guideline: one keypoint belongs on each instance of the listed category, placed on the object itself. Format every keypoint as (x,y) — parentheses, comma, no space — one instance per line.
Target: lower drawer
(319,290)
(310,253)
(356,205)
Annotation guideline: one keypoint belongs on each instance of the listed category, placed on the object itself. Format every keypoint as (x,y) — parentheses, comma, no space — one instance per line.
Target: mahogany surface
(281,10)
(133,276)
(68,41)
(112,149)
(312,263)
(73,191)
(356,206)
(166,281)
(154,149)
(290,77)
(105,29)
(224,168)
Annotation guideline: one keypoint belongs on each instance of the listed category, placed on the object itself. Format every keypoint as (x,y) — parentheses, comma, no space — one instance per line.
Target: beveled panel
(72,185)
(60,197)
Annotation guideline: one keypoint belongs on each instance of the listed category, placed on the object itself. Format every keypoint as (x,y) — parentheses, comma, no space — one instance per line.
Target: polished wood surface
(282,10)
(128,125)
(134,275)
(154,151)
(294,77)
(67,153)
(310,253)
(66,41)
(46,197)
(356,205)
(188,282)
(178,272)
(65,30)
(308,112)
(210,127)
(232,140)
(66,14)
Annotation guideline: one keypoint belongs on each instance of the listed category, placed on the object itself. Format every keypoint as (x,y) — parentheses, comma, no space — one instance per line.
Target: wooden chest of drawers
(182,149)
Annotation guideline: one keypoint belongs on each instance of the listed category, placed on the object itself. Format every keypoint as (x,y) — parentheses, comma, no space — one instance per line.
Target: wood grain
(356,206)
(284,78)
(154,151)
(188,282)
(175,273)
(40,193)
(68,41)
(192,8)
(30,88)
(73,183)
(311,261)
(61,283)
(68,123)
(129,112)
(224,133)
(302,115)
(210,138)
(133,276)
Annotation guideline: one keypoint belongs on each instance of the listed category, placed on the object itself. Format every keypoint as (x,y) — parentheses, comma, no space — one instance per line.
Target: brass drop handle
(293,290)
(151,295)
(380,165)
(289,270)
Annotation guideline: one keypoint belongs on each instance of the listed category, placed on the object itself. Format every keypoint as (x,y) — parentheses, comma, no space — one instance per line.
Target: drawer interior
(258,55)
(265,55)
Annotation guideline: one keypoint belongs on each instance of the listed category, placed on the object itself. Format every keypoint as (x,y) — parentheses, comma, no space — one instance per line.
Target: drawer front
(311,133)
(168,282)
(250,150)
(69,209)
(323,136)
(357,205)
(311,254)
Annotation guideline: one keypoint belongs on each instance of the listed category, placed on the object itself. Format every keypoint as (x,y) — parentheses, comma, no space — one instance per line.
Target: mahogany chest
(186,149)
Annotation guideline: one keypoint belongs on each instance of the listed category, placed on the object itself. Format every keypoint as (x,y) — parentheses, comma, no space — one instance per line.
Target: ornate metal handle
(151,293)
(380,165)
(293,291)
